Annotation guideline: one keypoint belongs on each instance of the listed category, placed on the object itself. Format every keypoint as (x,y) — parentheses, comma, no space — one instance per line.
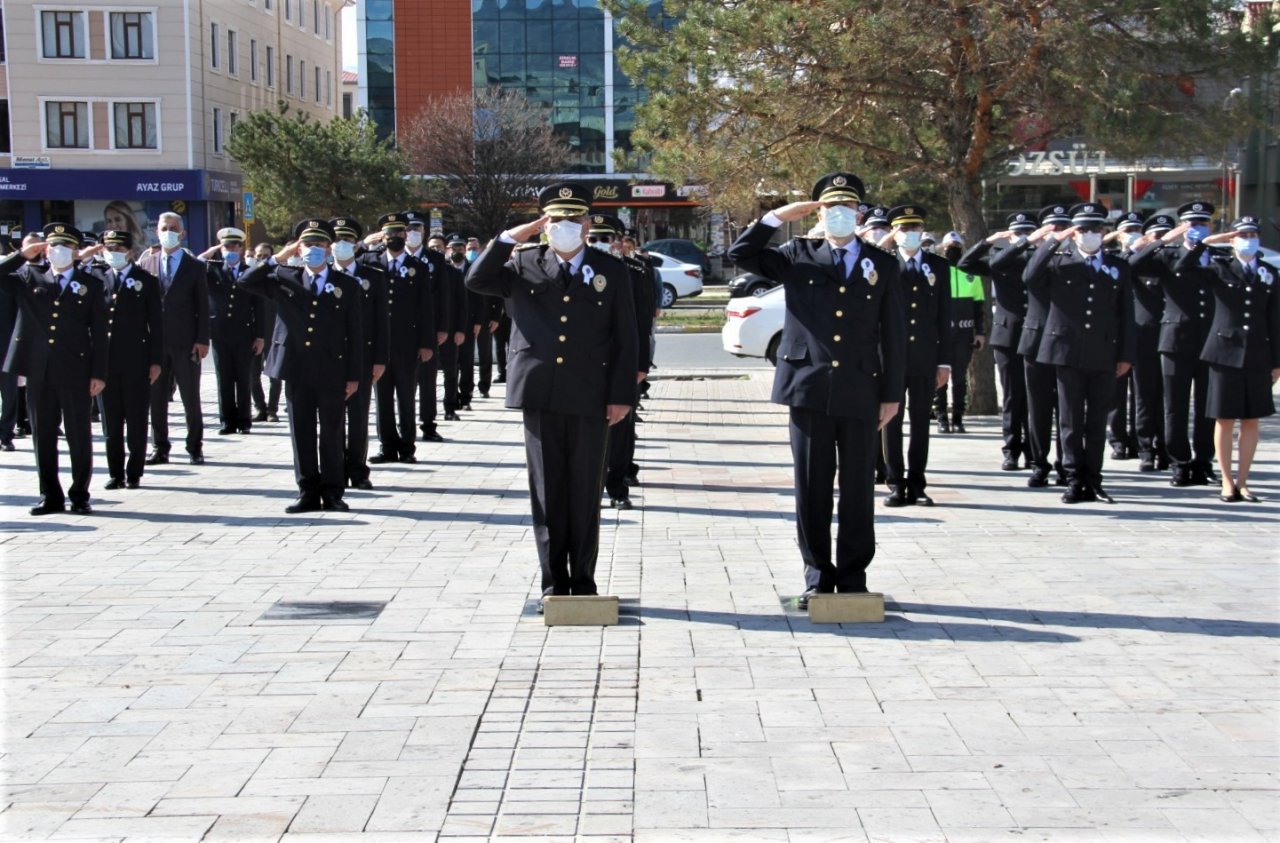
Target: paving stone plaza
(191,663)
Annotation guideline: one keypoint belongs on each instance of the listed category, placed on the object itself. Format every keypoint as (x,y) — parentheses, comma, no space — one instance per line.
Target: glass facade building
(378,38)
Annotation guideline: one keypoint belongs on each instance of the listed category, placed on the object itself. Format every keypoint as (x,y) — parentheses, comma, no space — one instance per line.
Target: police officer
(411,339)
(60,346)
(237,326)
(605,232)
(1008,309)
(347,233)
(1135,427)
(1088,339)
(453,297)
(968,334)
(482,319)
(1184,328)
(266,403)
(841,365)
(1042,384)
(926,302)
(572,369)
(135,330)
(317,350)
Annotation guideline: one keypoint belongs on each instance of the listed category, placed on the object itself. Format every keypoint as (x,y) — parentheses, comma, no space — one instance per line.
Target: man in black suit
(372,282)
(841,367)
(451,299)
(572,371)
(8,381)
(135,327)
(184,293)
(483,313)
(1184,329)
(926,302)
(237,325)
(60,346)
(1009,309)
(267,403)
(411,338)
(1088,339)
(317,350)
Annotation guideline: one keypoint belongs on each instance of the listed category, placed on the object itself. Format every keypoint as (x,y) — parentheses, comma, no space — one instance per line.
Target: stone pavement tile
(671,809)
(36,820)
(535,825)
(125,799)
(333,814)
(1214,824)
(966,809)
(143,828)
(268,825)
(602,824)
(467,826)
(416,803)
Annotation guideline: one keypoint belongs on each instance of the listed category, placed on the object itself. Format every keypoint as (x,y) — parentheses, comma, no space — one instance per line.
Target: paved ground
(1099,673)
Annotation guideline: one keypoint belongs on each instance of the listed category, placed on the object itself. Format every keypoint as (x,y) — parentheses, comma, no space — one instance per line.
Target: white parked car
(679,280)
(754,325)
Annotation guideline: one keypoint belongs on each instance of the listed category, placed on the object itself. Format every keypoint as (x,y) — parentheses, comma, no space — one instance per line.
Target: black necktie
(566,275)
(840,265)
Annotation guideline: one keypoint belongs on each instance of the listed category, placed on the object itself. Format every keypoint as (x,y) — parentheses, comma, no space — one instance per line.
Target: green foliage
(299,167)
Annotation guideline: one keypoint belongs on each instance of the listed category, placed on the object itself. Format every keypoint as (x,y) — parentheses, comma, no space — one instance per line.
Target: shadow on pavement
(1219,627)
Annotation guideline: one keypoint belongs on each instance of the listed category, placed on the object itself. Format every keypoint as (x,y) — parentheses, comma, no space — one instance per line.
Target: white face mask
(170,239)
(908,240)
(344,251)
(117,260)
(1130,237)
(413,239)
(1089,241)
(1245,247)
(564,236)
(61,257)
(840,221)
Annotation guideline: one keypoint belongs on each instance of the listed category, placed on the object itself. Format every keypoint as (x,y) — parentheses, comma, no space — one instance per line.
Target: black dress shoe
(1100,494)
(113,484)
(272,417)
(305,503)
(1119,452)
(465,405)
(363,485)
(803,600)
(260,416)
(944,426)
(226,430)
(1147,464)
(1208,476)
(1061,480)
(1009,464)
(1039,478)
(484,393)
(408,459)
(897,498)
(1248,496)
(157,458)
(245,428)
(433,436)
(380,458)
(48,508)
(196,458)
(81,509)
(1162,463)
(919,499)
(22,430)
(881,478)
(1181,479)
(334,505)
(500,379)
(620,503)
(134,483)
(451,416)
(7,445)
(1234,497)
(957,426)
(1075,494)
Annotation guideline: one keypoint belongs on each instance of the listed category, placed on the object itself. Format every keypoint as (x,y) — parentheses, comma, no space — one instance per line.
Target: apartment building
(114,112)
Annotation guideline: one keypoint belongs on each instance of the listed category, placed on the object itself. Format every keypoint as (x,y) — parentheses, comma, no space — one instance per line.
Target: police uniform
(135,329)
(59,345)
(843,353)
(373,332)
(438,288)
(236,322)
(573,353)
(1041,382)
(1136,424)
(1244,341)
(411,329)
(926,303)
(477,348)
(1008,310)
(968,303)
(1184,328)
(316,350)
(1087,333)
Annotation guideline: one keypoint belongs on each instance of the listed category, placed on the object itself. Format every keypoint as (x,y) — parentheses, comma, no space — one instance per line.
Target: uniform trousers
(265,402)
(502,339)
(233,365)
(357,443)
(484,360)
(622,450)
(8,405)
(123,406)
(823,448)
(565,455)
(1186,382)
(49,405)
(428,404)
(466,369)
(178,366)
(961,354)
(1013,402)
(395,405)
(317,462)
(1042,406)
(920,391)
(449,357)
(1084,399)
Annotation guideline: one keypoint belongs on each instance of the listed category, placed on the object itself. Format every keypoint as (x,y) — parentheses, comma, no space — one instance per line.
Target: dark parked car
(682,250)
(750,284)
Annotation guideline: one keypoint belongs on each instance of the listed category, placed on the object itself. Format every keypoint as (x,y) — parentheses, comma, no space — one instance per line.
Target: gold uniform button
(913,321)
(914,305)
(566,298)
(564,318)
(559,359)
(835,364)
(313,316)
(310,330)
(839,313)
(842,289)
(562,338)
(836,338)
(53,327)
(913,339)
(307,343)
(50,341)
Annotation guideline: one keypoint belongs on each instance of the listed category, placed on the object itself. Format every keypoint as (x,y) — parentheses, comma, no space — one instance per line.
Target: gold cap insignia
(839,181)
(58,229)
(565,193)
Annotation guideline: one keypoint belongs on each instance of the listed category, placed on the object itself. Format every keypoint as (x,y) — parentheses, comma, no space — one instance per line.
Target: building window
(232,119)
(215,46)
(268,5)
(319,99)
(63,34)
(328,87)
(348,105)
(2,58)
(233,50)
(288,74)
(135,125)
(253,60)
(66,125)
(6,146)
(315,16)
(132,36)
(302,22)
(302,80)
(271,67)
(328,22)
(288,9)
(217,131)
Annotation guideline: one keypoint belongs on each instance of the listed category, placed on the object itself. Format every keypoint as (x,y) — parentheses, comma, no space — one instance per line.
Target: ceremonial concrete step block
(596,610)
(847,608)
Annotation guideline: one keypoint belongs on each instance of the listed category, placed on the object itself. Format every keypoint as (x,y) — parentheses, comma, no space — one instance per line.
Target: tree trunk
(964,202)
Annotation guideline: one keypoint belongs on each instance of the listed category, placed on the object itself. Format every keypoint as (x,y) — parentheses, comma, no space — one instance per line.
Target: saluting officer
(1184,328)
(1008,309)
(572,371)
(348,232)
(451,281)
(411,339)
(59,345)
(317,350)
(482,319)
(841,365)
(1088,339)
(968,334)
(135,321)
(926,288)
(237,326)
(1042,383)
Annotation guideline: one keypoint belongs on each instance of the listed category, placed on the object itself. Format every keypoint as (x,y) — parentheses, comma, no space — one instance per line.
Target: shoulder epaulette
(521,247)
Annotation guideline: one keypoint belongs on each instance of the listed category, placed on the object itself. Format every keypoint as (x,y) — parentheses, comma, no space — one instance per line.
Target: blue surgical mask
(314,255)
(344,250)
(840,221)
(232,258)
(1245,247)
(472,254)
(1197,233)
